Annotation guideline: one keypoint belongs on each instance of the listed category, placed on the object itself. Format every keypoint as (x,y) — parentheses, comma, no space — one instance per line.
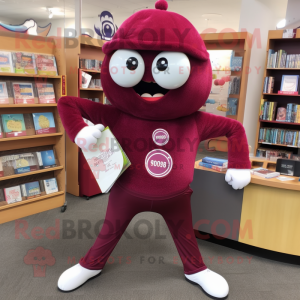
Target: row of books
(290,114)
(289,83)
(14,125)
(216,164)
(273,154)
(280,59)
(28,63)
(264,173)
(234,85)
(279,136)
(28,190)
(90,64)
(19,163)
(26,92)
(86,81)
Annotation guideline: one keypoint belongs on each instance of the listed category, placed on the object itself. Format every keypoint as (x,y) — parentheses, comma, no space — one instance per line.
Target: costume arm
(211,126)
(73,109)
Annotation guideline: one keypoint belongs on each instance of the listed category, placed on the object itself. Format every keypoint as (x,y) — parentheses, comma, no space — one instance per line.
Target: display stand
(55,46)
(88,48)
(241,43)
(291,46)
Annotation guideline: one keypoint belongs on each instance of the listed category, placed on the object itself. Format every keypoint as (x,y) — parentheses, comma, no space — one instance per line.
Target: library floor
(141,266)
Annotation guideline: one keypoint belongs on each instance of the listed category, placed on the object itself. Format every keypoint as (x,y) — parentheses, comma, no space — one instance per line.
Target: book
(281,114)
(216,161)
(85,79)
(1,168)
(211,166)
(270,85)
(265,173)
(13,194)
(46,159)
(6,62)
(232,106)
(3,93)
(289,83)
(23,93)
(24,63)
(107,160)
(46,64)
(44,123)
(13,125)
(23,162)
(31,190)
(50,186)
(46,92)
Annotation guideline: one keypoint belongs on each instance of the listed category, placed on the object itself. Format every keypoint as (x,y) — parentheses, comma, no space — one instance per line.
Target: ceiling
(16,11)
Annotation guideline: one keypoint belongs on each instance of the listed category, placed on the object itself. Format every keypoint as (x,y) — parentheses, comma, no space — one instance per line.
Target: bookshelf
(291,46)
(88,48)
(240,42)
(44,45)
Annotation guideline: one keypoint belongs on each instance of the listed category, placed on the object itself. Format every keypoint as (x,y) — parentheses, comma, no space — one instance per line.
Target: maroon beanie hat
(160,30)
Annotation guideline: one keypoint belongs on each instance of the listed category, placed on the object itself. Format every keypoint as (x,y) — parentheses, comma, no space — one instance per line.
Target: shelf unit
(45,45)
(240,42)
(291,46)
(89,48)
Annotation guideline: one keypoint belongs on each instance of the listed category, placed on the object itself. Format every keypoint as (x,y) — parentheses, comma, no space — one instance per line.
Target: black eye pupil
(162,64)
(132,63)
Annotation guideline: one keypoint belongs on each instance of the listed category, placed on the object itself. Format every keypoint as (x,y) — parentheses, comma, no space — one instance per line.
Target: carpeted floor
(144,265)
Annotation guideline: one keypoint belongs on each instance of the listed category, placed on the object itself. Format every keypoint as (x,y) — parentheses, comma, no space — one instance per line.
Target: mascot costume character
(157,74)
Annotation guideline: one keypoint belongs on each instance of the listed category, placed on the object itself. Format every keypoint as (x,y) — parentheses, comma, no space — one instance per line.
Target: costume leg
(122,207)
(178,216)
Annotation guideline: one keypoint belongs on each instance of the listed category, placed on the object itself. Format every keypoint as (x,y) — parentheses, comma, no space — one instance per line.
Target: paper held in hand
(107,160)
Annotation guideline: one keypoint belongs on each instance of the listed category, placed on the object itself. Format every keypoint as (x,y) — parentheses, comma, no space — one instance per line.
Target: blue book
(44,123)
(48,159)
(31,189)
(216,161)
(232,106)
(213,167)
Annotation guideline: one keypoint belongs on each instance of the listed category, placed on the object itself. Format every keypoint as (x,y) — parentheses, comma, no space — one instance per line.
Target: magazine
(13,125)
(13,194)
(44,123)
(46,92)
(46,159)
(107,160)
(24,63)
(3,93)
(85,80)
(50,186)
(46,64)
(6,62)
(23,93)
(31,189)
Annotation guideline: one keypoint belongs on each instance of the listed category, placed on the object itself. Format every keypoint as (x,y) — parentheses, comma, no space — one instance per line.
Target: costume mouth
(150,91)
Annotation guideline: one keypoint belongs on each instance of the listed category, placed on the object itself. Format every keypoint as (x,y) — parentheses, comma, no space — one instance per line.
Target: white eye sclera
(171,70)
(126,68)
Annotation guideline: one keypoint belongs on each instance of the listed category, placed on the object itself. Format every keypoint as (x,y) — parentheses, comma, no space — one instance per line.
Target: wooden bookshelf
(291,46)
(44,45)
(240,42)
(89,48)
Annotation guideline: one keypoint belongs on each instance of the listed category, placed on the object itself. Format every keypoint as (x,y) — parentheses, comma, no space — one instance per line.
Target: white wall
(261,16)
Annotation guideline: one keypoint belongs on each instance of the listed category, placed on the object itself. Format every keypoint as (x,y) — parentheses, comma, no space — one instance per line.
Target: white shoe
(213,284)
(75,277)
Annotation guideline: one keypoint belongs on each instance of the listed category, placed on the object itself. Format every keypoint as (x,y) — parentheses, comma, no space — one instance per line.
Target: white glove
(238,178)
(88,136)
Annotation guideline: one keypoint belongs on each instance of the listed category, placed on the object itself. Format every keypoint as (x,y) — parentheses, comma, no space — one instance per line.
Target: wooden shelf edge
(31,173)
(91,89)
(286,69)
(264,143)
(24,202)
(90,71)
(277,122)
(28,105)
(25,137)
(274,94)
(29,75)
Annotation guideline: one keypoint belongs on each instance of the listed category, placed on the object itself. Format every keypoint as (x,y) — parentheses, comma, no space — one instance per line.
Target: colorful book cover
(50,186)
(3,93)
(48,159)
(289,83)
(46,64)
(85,80)
(46,92)
(44,123)
(6,62)
(108,161)
(23,93)
(232,106)
(32,189)
(216,161)
(213,167)
(13,194)
(13,125)
(24,63)
(25,162)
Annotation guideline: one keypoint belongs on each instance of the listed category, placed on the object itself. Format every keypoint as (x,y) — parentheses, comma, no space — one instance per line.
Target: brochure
(44,123)
(24,63)
(46,92)
(85,80)
(47,159)
(3,93)
(23,93)
(50,186)
(6,62)
(31,189)
(13,125)
(13,194)
(107,160)
(46,64)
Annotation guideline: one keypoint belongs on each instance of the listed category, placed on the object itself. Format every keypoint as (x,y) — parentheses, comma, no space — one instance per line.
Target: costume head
(156,66)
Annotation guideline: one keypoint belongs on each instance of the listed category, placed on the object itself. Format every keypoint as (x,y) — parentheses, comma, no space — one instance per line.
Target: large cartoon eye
(126,68)
(171,70)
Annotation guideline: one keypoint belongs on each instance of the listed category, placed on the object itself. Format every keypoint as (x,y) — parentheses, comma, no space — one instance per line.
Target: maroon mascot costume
(157,74)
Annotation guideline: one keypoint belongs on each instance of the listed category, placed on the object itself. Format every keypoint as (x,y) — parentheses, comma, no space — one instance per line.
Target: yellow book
(261,113)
